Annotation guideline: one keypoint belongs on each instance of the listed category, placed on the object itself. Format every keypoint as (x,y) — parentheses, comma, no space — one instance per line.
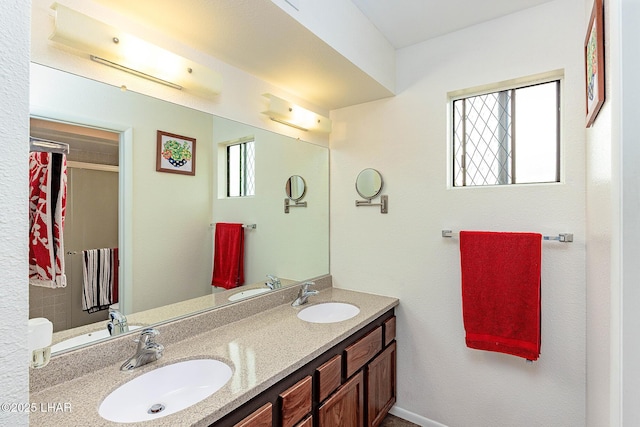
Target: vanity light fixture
(134,72)
(109,46)
(290,114)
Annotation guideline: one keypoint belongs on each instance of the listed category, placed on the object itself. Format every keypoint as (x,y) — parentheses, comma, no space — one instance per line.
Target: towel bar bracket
(562,237)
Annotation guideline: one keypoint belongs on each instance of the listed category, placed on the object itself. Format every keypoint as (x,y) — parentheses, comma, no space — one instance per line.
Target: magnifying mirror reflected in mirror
(369,183)
(295,188)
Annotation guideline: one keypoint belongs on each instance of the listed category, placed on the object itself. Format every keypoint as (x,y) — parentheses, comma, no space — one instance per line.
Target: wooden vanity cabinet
(262,417)
(381,385)
(307,422)
(329,377)
(296,402)
(345,407)
(353,384)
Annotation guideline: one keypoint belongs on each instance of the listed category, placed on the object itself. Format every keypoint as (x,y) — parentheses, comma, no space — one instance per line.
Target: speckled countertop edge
(78,362)
(167,312)
(263,348)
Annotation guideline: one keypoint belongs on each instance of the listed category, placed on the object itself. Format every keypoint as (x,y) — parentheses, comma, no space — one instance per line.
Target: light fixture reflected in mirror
(110,46)
(369,185)
(290,114)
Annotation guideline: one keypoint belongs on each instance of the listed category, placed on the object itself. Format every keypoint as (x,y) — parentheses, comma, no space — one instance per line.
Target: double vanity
(328,362)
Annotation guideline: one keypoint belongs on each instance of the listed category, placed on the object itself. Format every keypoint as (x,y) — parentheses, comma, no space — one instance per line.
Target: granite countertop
(261,349)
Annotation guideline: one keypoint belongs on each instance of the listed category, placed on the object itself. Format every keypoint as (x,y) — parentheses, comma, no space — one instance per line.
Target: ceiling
(407,22)
(259,38)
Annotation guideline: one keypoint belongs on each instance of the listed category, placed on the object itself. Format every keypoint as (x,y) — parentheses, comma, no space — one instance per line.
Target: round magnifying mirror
(295,187)
(369,183)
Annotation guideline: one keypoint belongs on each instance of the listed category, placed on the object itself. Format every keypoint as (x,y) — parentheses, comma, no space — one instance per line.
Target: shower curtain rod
(39,144)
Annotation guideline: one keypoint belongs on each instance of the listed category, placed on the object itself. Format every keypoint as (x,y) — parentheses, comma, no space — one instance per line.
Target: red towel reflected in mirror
(228,255)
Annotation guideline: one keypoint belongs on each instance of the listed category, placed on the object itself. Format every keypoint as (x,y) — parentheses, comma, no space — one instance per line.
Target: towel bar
(249,226)
(561,237)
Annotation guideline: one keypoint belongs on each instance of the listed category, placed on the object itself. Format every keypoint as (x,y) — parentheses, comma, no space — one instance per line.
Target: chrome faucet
(303,294)
(273,282)
(117,323)
(148,350)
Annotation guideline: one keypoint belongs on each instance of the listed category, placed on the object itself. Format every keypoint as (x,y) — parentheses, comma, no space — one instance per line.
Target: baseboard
(414,418)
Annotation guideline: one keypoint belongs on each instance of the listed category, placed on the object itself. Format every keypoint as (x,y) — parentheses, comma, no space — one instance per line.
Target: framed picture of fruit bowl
(176,154)
(594,62)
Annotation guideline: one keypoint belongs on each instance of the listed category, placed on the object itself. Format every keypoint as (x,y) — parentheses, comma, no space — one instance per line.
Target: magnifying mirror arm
(384,203)
(295,204)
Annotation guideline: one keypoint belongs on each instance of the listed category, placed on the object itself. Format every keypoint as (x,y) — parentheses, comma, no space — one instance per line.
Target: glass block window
(241,160)
(507,137)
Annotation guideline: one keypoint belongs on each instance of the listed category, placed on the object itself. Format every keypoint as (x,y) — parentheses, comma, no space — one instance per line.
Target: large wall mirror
(166,222)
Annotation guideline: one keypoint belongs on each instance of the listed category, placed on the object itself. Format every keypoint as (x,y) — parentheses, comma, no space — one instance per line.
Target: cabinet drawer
(389,330)
(308,422)
(360,352)
(296,402)
(260,418)
(329,376)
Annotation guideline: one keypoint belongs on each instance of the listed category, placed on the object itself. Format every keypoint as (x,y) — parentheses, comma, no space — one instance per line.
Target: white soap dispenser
(40,336)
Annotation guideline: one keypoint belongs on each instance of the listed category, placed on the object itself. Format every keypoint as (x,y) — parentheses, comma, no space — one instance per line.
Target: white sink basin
(328,312)
(85,339)
(165,391)
(248,293)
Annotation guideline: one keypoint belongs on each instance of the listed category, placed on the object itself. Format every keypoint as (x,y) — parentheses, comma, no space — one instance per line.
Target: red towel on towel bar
(501,291)
(228,256)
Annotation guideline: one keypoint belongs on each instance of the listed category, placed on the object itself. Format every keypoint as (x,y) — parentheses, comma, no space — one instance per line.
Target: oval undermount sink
(165,390)
(85,339)
(328,312)
(248,293)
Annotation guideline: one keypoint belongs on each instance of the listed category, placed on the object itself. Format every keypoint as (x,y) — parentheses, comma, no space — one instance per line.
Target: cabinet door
(381,385)
(260,418)
(345,408)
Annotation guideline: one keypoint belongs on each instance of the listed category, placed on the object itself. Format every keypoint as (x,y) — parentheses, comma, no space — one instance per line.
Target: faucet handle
(305,285)
(273,282)
(116,315)
(147,336)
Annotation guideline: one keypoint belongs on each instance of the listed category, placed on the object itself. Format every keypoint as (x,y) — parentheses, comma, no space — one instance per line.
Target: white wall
(344,27)
(603,226)
(625,71)
(402,254)
(14,133)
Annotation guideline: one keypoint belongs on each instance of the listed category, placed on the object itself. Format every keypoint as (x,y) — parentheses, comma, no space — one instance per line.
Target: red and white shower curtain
(47,204)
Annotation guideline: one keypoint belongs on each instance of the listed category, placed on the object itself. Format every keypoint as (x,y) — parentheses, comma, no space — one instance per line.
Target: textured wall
(402,254)
(14,131)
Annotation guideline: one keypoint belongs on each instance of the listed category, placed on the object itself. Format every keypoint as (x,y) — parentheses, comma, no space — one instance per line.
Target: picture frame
(175,153)
(594,63)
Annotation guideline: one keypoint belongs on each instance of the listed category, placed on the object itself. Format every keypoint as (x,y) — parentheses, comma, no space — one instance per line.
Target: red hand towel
(501,291)
(228,257)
